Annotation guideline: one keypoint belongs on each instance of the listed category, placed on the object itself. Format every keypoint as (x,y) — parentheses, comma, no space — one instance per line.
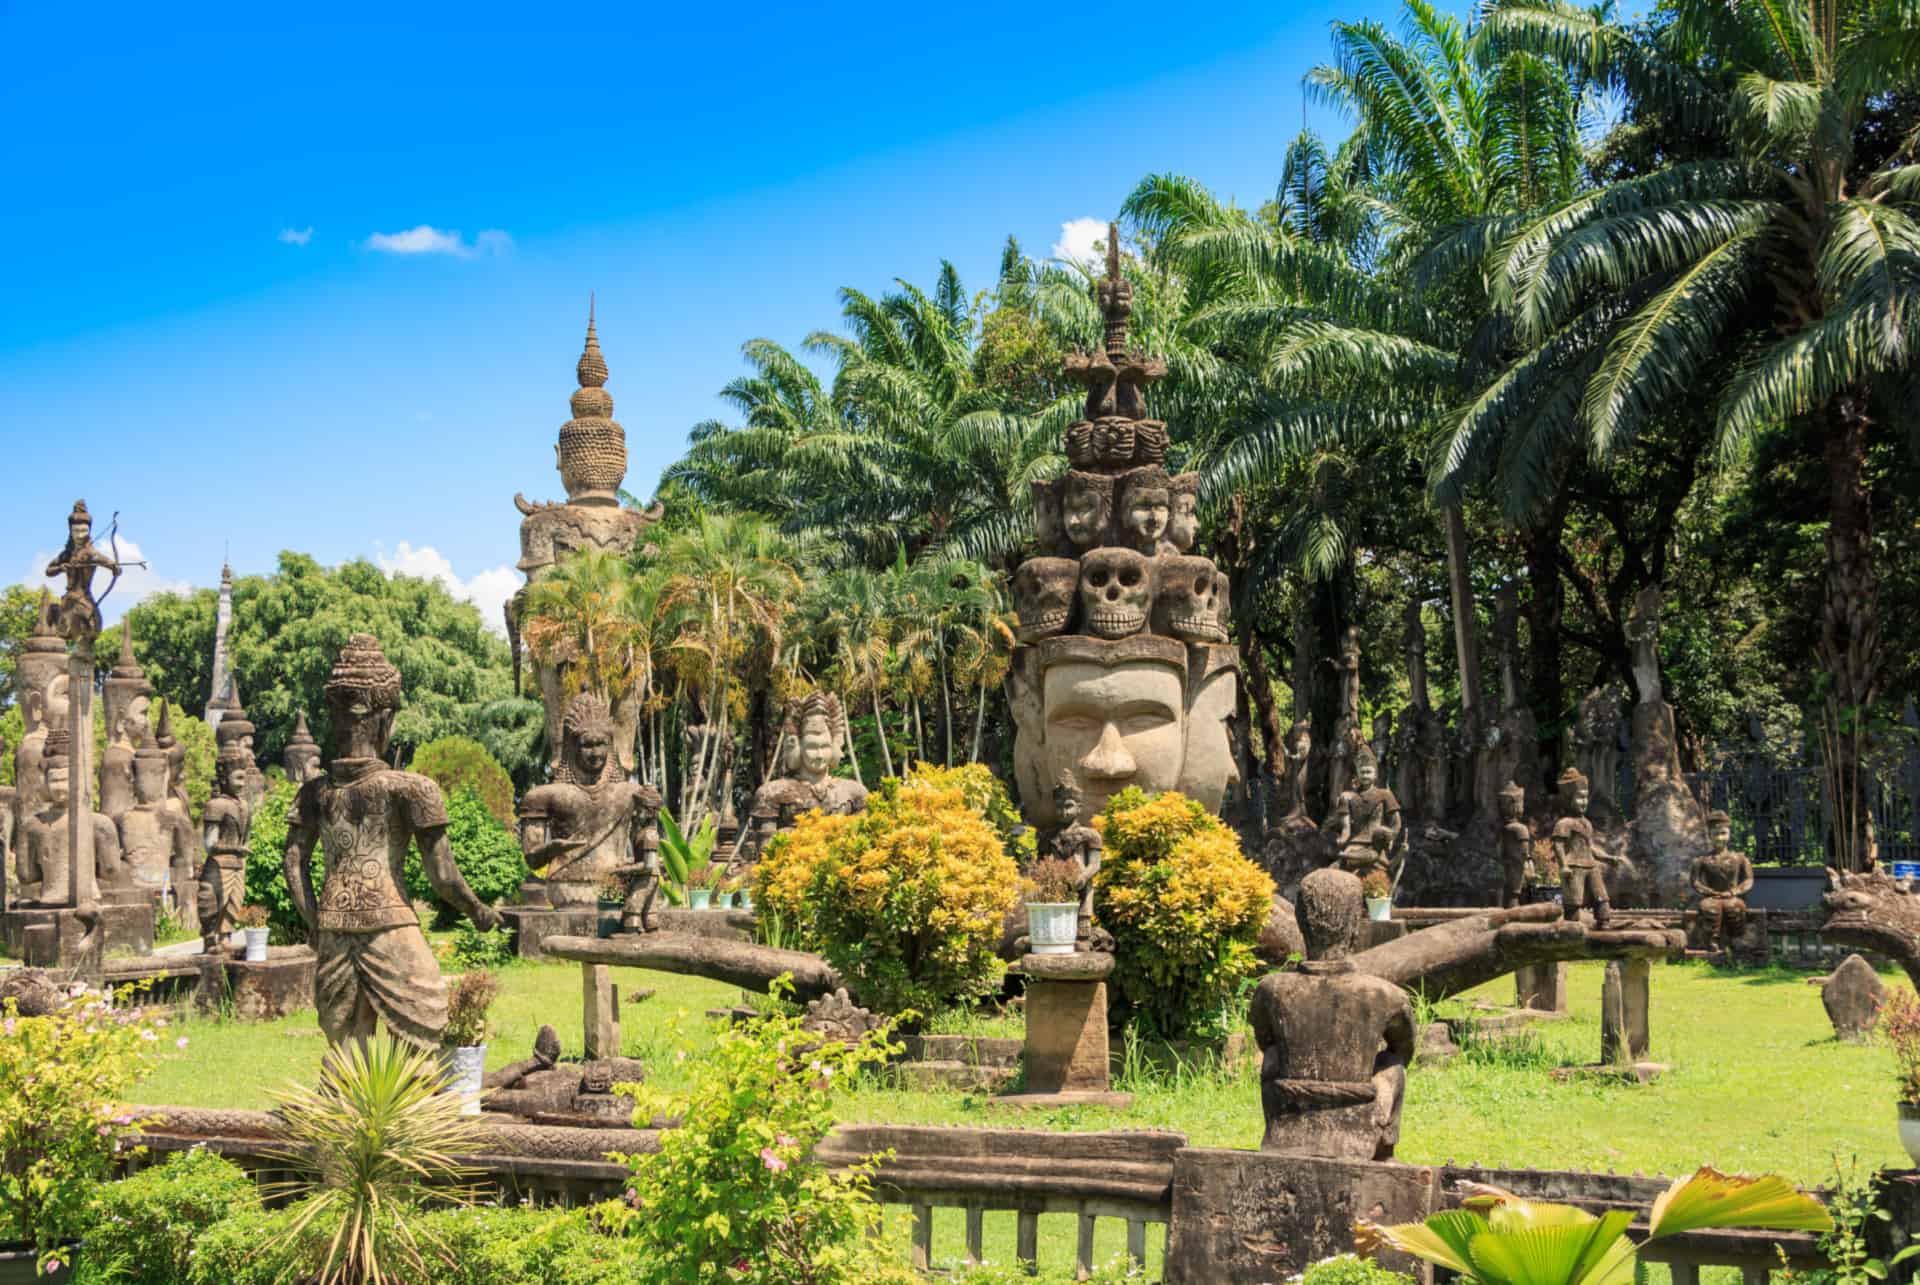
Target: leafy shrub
(487,853)
(906,900)
(736,1186)
(986,794)
(459,763)
(266,851)
(1350,1269)
(142,1231)
(1185,908)
(475,949)
(1900,1026)
(62,1078)
(1053,880)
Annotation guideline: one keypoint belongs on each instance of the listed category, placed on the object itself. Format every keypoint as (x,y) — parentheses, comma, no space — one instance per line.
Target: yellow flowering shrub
(905,899)
(1185,908)
(986,794)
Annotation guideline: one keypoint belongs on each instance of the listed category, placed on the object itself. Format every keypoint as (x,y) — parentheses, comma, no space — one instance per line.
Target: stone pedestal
(1541,987)
(56,937)
(531,926)
(280,984)
(1624,1038)
(602,1011)
(1065,1054)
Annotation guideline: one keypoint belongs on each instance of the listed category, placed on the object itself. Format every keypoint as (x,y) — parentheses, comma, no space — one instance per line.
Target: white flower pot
(1051,926)
(256,944)
(467,1067)
(1380,908)
(238,939)
(699,898)
(1910,1129)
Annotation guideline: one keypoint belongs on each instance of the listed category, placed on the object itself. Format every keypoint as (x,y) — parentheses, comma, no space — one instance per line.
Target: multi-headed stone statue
(1364,825)
(1583,859)
(592,828)
(374,962)
(235,732)
(1124,675)
(1334,1042)
(809,752)
(1516,844)
(47,876)
(157,844)
(227,825)
(1722,878)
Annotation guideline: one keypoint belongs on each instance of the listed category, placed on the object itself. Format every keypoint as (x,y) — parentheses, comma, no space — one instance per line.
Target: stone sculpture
(47,868)
(302,755)
(176,762)
(227,824)
(1514,736)
(1852,996)
(1298,752)
(128,701)
(235,731)
(221,686)
(77,618)
(1364,826)
(592,829)
(592,458)
(1872,911)
(1596,747)
(41,673)
(1081,845)
(1516,844)
(809,753)
(1668,829)
(1334,1042)
(546,1090)
(156,842)
(1583,880)
(374,962)
(1124,675)
(1347,736)
(1721,881)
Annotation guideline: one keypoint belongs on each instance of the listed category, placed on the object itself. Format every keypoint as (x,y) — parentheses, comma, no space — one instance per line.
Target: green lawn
(1757,1084)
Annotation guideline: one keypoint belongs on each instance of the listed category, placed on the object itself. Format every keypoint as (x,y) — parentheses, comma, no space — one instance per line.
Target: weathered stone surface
(35,992)
(1721,879)
(1460,954)
(1668,829)
(810,749)
(741,964)
(280,984)
(1435,1043)
(1280,939)
(532,926)
(1873,912)
(1625,1000)
(1852,997)
(56,937)
(301,758)
(1364,826)
(228,824)
(546,1090)
(1258,1216)
(1088,966)
(602,1013)
(1066,1045)
(1541,987)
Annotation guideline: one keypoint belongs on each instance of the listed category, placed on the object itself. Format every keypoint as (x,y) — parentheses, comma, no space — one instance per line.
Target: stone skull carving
(1186,603)
(1222,603)
(1043,596)
(1116,586)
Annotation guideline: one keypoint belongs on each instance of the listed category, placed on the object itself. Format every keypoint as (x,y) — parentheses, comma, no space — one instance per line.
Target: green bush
(459,763)
(475,949)
(487,853)
(266,854)
(1351,1269)
(142,1231)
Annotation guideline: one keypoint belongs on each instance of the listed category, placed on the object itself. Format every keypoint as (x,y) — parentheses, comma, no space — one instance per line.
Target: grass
(1757,1084)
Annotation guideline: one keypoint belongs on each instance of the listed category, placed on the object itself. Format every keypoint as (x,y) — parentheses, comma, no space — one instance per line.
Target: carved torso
(366,816)
(1579,848)
(154,839)
(605,818)
(229,823)
(1723,874)
(1368,813)
(1323,1037)
(116,779)
(1515,841)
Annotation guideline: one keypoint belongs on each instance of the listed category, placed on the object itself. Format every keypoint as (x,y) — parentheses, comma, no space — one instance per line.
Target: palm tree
(576,620)
(1778,263)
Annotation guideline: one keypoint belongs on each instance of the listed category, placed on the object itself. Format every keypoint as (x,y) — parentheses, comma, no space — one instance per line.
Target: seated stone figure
(589,829)
(1365,822)
(46,862)
(810,751)
(1334,1042)
(1721,880)
(157,844)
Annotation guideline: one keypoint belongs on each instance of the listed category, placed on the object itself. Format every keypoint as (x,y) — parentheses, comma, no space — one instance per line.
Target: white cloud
(136,584)
(296,236)
(427,239)
(488,590)
(1077,237)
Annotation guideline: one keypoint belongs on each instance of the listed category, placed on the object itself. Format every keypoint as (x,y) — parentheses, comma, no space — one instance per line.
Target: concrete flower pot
(1052,926)
(700,898)
(256,945)
(1379,908)
(466,1067)
(1910,1129)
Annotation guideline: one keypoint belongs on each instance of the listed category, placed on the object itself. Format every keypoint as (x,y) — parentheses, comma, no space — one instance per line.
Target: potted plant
(1379,896)
(1053,906)
(681,852)
(1900,1025)
(468,1001)
(700,887)
(253,931)
(743,895)
(723,893)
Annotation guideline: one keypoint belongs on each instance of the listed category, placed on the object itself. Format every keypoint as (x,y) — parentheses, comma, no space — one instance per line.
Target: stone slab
(1541,986)
(1265,1216)
(280,984)
(531,926)
(1066,1045)
(1090,966)
(602,1012)
(51,937)
(727,925)
(1054,1101)
(1852,997)
(1632,1072)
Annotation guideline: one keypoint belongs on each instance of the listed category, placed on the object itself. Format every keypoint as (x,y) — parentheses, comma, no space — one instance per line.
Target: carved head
(1331,908)
(59,748)
(1116,586)
(79,527)
(817,726)
(149,774)
(1366,768)
(586,729)
(1112,718)
(1513,801)
(1719,830)
(1300,739)
(48,707)
(134,726)
(231,768)
(362,693)
(1043,596)
(1183,523)
(1047,529)
(1146,507)
(1186,599)
(1086,508)
(1066,802)
(1572,792)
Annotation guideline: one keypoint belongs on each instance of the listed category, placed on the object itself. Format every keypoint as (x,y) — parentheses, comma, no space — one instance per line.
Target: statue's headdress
(1514,790)
(818,705)
(1363,753)
(1717,817)
(1573,776)
(363,670)
(59,745)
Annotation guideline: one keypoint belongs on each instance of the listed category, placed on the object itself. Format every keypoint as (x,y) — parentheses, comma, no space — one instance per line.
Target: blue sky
(219,314)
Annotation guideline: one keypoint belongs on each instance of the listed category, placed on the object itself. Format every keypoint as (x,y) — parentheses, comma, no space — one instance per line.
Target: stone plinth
(1065,1054)
(1541,987)
(280,984)
(602,1012)
(1265,1216)
(726,925)
(54,937)
(531,926)
(1624,1033)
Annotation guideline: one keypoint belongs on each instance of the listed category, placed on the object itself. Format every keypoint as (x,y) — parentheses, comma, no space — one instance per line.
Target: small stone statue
(302,755)
(1583,880)
(1146,509)
(1298,752)
(156,843)
(163,737)
(1081,845)
(46,864)
(1364,825)
(127,705)
(809,752)
(1721,880)
(374,962)
(77,618)
(1334,1042)
(235,731)
(227,822)
(1347,737)
(590,828)
(1516,844)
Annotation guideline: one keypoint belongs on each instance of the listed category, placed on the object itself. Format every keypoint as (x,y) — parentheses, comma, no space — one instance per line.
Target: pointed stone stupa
(222,685)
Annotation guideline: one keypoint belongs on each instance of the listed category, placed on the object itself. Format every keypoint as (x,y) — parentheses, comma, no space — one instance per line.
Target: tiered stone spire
(593,447)
(222,686)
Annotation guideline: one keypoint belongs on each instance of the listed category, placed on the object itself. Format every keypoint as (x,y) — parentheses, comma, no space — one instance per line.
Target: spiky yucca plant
(373,1141)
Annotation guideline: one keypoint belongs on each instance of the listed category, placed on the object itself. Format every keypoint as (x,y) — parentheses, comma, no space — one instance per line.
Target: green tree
(19,609)
(461,763)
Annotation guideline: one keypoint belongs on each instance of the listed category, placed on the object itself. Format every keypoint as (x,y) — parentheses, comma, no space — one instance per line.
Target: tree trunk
(1466,647)
(979,719)
(1848,643)
(1331,617)
(1546,608)
(1258,691)
(880,726)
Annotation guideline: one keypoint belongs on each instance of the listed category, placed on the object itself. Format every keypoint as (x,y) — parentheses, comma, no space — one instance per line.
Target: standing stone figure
(591,828)
(46,863)
(43,710)
(235,731)
(1516,844)
(302,755)
(1347,737)
(77,618)
(176,753)
(809,753)
(227,822)
(1298,752)
(1596,746)
(1334,1042)
(157,844)
(1079,844)
(1721,880)
(1583,880)
(374,962)
(1364,825)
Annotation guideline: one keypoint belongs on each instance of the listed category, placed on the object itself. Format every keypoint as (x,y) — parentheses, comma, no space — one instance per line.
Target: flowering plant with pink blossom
(737,1185)
(62,1118)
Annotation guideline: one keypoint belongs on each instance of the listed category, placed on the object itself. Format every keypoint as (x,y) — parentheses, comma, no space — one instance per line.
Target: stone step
(952,1076)
(972,1050)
